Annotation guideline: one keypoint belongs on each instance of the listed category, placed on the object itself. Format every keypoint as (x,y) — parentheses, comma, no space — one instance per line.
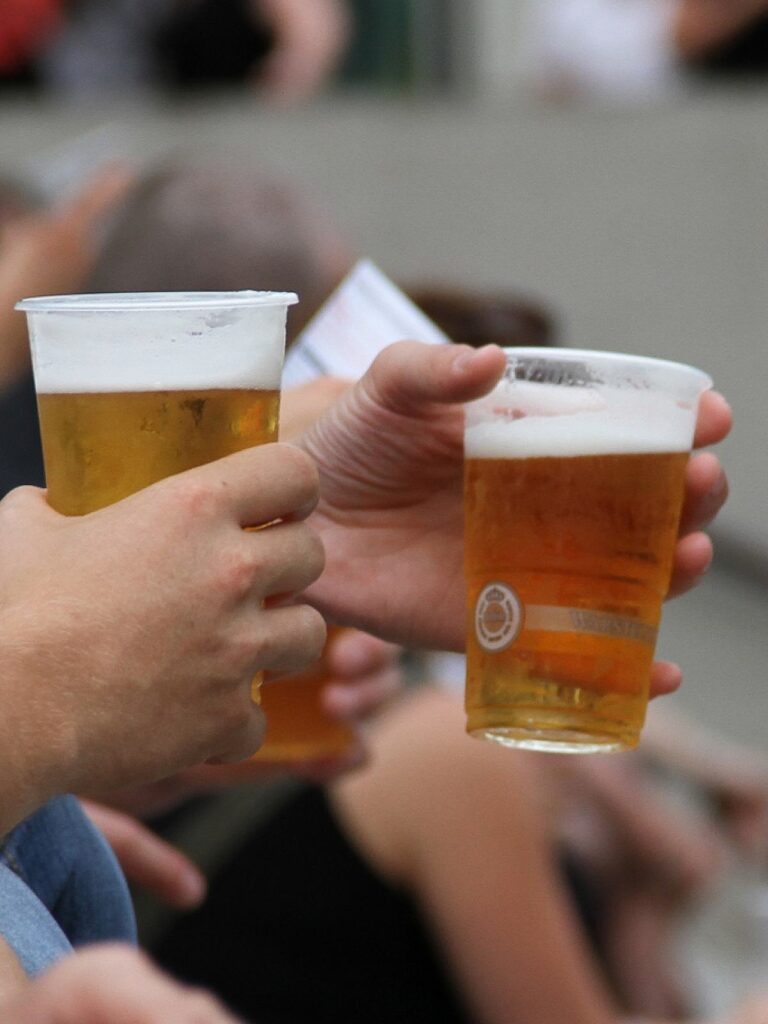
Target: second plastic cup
(574,477)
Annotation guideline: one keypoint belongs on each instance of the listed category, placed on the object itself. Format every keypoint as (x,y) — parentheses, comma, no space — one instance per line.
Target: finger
(259,485)
(290,556)
(409,375)
(245,742)
(352,653)
(693,556)
(706,491)
(666,677)
(26,501)
(291,637)
(149,861)
(356,701)
(714,420)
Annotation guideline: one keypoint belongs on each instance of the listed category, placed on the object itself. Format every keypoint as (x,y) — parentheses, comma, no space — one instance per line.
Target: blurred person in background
(640,50)
(286,49)
(435,884)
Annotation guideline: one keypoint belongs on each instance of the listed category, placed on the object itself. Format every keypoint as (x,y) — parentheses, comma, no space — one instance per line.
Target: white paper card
(365,314)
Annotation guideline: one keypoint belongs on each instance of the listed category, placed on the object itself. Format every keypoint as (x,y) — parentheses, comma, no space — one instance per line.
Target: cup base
(540,714)
(553,741)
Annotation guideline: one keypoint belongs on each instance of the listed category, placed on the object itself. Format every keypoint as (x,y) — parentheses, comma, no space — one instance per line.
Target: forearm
(35,747)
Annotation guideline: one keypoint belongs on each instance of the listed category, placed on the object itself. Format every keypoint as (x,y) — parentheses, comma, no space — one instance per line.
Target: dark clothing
(21,460)
(745,55)
(211,43)
(297,928)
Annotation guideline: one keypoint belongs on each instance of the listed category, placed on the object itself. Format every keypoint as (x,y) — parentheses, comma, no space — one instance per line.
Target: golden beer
(585,546)
(99,448)
(574,482)
(298,728)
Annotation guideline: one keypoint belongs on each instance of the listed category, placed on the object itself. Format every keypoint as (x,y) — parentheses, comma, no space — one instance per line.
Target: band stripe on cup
(500,616)
(552,619)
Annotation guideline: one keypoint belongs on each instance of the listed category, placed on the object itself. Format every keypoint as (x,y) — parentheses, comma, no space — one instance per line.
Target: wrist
(36,742)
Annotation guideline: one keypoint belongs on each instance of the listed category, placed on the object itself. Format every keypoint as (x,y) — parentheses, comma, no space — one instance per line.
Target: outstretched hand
(390,457)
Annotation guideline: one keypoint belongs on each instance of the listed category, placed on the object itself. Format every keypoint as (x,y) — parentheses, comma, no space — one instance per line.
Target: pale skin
(108,984)
(365,676)
(390,457)
(111,603)
(310,36)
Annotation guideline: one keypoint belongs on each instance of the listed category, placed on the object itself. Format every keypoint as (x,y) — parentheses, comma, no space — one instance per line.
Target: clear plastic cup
(574,477)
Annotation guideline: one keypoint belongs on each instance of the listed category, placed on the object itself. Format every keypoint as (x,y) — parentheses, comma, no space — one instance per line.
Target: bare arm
(455,821)
(459,824)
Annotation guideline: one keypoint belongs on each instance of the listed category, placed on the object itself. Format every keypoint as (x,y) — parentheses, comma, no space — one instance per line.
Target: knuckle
(237,573)
(240,661)
(194,498)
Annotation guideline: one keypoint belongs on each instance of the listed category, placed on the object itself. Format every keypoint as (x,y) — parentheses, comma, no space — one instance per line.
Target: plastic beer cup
(298,727)
(574,479)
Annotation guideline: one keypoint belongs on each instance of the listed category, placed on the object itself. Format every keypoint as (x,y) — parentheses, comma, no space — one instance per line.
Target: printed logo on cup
(498,617)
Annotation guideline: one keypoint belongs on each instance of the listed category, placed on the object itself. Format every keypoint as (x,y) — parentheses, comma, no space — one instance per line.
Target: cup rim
(121,302)
(617,360)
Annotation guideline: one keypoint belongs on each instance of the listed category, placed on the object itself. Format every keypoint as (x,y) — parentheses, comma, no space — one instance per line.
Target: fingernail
(463,358)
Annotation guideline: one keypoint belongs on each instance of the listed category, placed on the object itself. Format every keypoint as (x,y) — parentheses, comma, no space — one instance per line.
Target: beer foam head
(526,420)
(158,342)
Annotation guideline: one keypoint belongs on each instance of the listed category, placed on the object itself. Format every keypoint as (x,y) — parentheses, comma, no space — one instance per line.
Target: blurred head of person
(221,226)
(479,317)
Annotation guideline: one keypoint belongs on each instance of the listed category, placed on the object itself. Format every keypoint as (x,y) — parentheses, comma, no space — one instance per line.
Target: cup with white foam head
(135,387)
(574,480)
